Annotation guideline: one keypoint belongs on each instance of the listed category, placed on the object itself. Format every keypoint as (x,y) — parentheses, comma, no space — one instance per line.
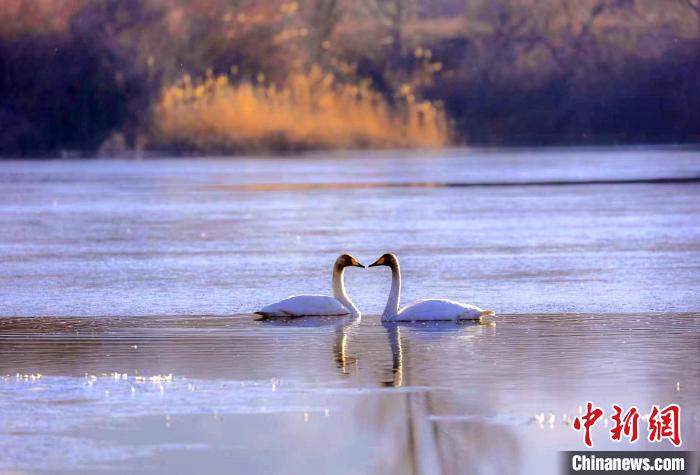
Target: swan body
(305,305)
(440,310)
(319,305)
(424,310)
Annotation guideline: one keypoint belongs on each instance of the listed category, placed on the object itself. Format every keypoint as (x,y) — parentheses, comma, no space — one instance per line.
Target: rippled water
(125,287)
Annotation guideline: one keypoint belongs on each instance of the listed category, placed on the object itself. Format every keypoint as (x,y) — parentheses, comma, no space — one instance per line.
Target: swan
(423,310)
(319,305)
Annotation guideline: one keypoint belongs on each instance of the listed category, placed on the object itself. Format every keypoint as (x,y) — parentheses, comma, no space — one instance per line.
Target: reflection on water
(351,394)
(341,327)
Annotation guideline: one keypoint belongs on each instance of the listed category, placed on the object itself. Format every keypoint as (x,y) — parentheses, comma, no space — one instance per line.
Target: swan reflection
(449,443)
(423,333)
(341,326)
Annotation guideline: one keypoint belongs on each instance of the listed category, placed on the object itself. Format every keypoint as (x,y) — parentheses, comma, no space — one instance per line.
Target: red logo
(589,419)
(663,423)
(627,424)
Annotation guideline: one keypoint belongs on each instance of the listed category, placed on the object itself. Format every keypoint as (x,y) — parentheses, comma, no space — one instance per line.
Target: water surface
(128,286)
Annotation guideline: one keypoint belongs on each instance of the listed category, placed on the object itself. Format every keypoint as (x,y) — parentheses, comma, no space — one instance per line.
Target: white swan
(423,310)
(319,305)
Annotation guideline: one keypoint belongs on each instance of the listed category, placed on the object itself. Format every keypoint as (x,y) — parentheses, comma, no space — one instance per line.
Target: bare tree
(570,42)
(694,6)
(393,14)
(322,18)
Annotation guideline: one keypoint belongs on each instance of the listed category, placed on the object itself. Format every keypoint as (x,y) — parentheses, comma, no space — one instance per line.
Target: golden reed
(312,111)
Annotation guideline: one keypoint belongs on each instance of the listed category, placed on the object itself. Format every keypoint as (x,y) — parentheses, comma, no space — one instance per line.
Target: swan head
(347,260)
(387,259)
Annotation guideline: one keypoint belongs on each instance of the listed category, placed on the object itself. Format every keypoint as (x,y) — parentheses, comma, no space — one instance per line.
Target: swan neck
(392,303)
(338,288)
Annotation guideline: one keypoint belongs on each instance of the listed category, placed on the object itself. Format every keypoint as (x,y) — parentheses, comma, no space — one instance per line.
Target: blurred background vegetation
(119,77)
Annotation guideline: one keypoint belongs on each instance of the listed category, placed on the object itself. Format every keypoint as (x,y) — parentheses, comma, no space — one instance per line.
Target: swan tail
(487,313)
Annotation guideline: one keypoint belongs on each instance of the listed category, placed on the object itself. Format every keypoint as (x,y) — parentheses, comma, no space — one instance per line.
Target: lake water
(128,286)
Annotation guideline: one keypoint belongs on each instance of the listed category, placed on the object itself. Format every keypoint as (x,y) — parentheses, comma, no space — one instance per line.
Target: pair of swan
(340,303)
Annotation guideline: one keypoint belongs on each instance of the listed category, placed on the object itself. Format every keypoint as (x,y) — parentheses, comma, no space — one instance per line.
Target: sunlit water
(141,353)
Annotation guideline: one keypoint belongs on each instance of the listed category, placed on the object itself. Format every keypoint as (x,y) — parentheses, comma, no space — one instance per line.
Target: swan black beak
(378,262)
(359,265)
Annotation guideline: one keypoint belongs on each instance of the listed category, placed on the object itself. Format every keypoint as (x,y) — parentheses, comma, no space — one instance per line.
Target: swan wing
(440,310)
(305,305)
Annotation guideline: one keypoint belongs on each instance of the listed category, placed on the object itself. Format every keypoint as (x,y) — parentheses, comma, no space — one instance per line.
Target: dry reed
(313,111)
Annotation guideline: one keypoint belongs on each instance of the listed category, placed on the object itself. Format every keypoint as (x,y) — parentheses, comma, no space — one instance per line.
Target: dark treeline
(605,81)
(84,75)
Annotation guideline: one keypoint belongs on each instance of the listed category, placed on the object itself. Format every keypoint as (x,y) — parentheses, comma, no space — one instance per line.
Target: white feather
(319,305)
(440,310)
(305,305)
(423,310)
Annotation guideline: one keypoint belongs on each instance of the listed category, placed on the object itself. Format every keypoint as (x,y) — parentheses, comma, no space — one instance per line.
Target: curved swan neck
(392,303)
(338,288)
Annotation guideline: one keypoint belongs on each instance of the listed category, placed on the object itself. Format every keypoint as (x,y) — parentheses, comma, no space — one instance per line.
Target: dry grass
(311,112)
